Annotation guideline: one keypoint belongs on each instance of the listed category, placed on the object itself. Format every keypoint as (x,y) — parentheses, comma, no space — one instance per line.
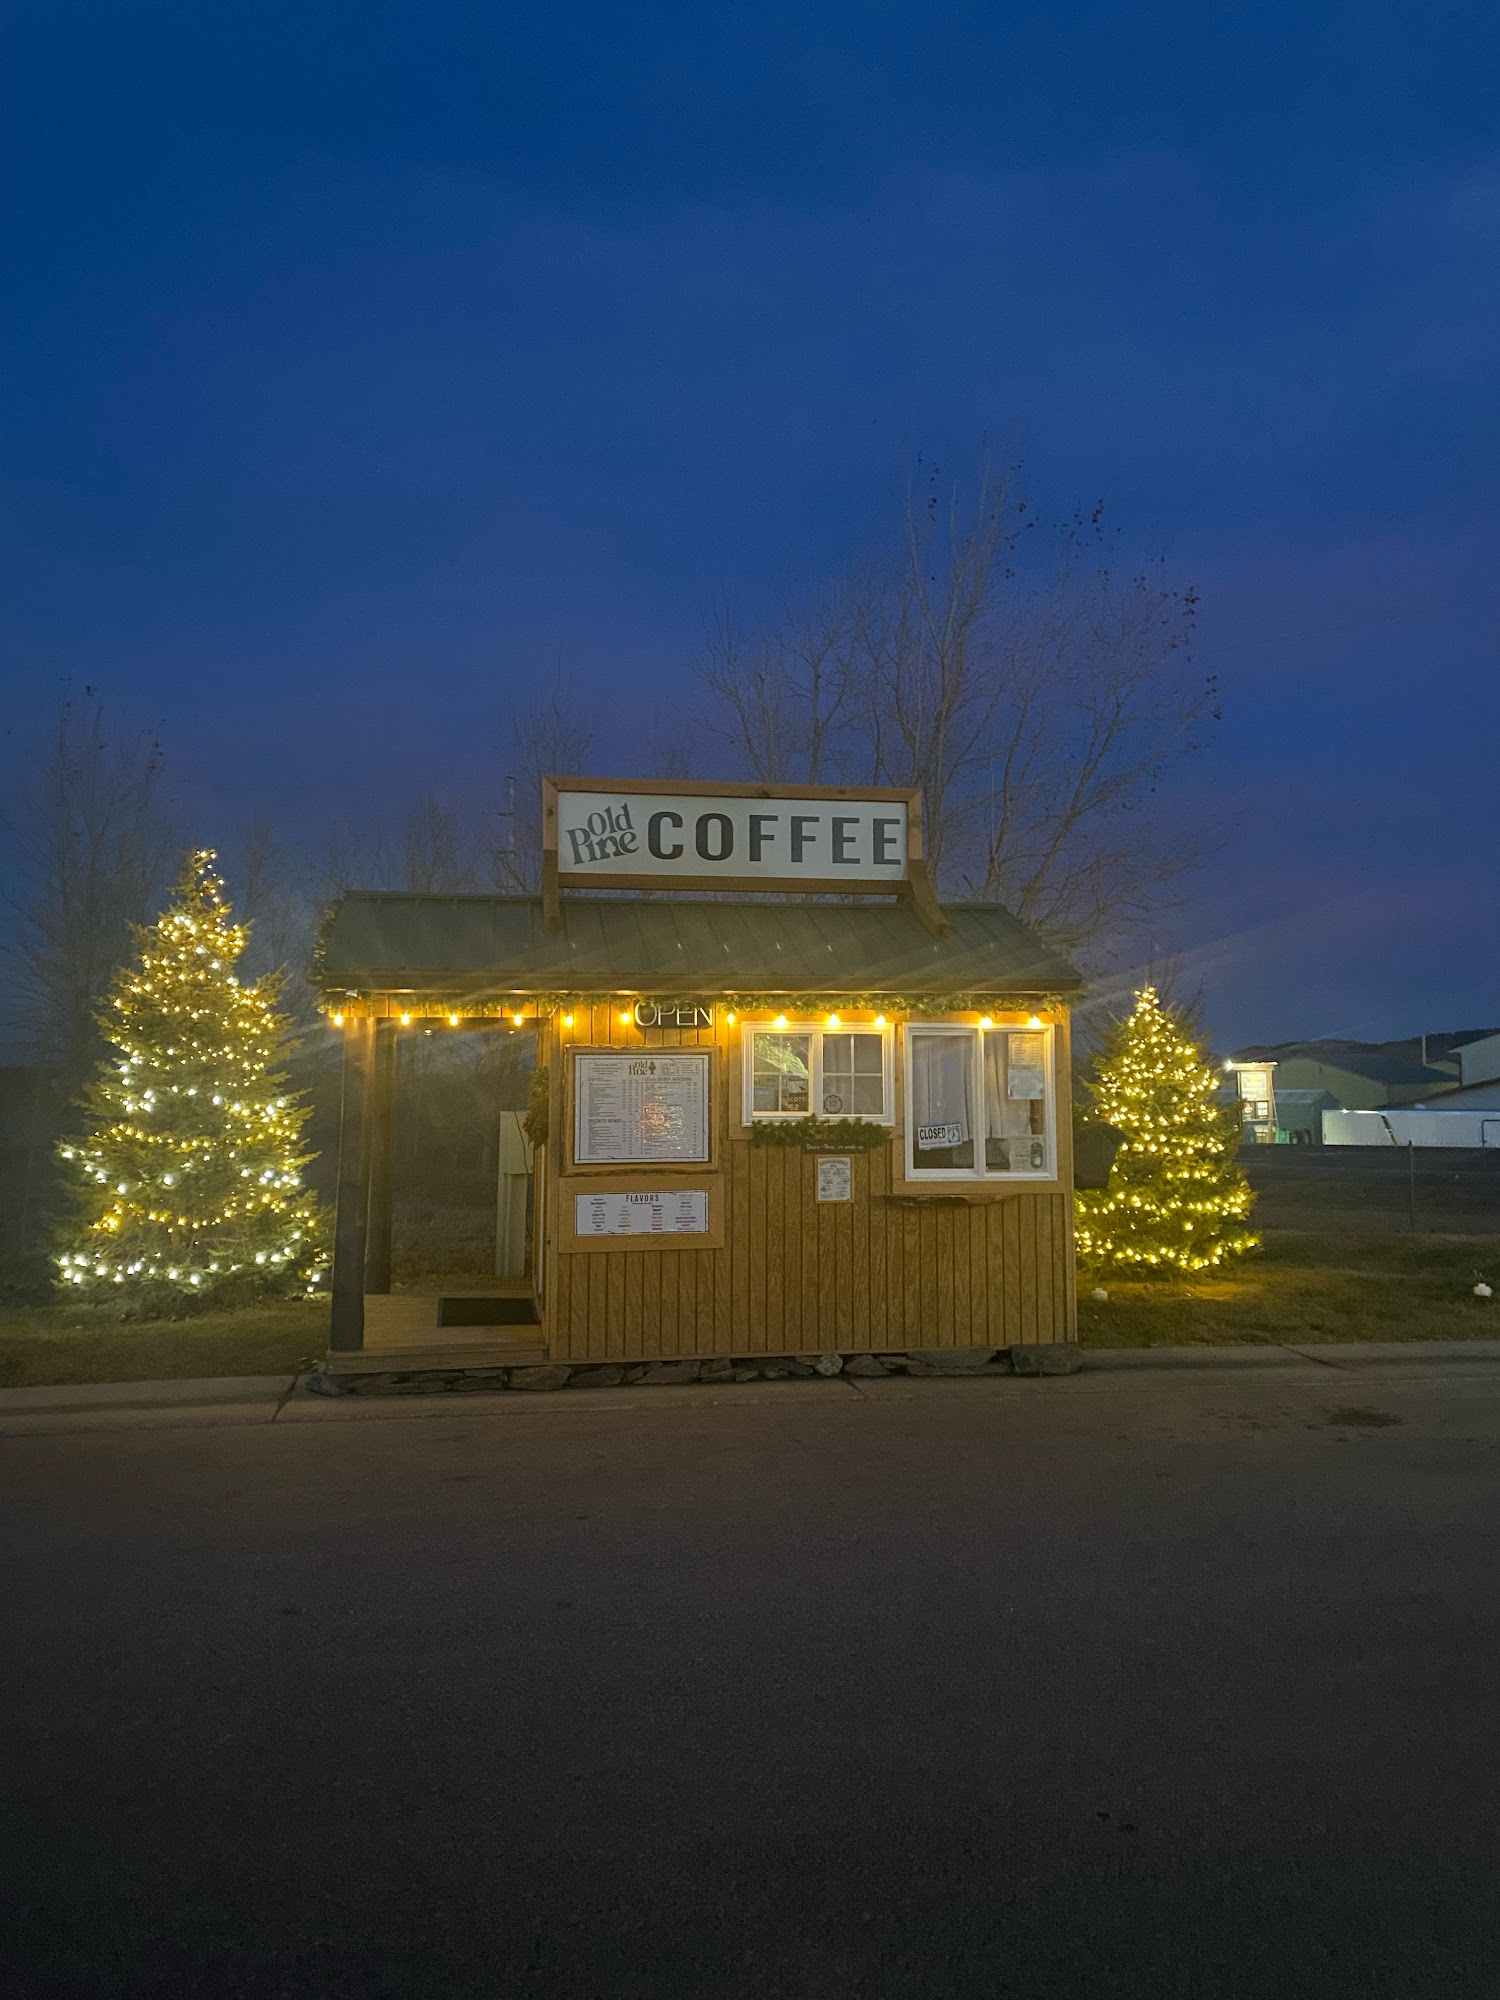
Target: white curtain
(942,1076)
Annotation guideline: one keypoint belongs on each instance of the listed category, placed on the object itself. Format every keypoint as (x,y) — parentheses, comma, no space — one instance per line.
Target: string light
(1176,1200)
(985,1021)
(567,1020)
(833,1021)
(780,1021)
(193,1102)
(518,1019)
(453,1020)
(624,1017)
(406,1020)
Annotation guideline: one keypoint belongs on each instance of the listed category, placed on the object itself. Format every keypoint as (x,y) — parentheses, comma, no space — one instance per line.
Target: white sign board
(633,1107)
(667,835)
(683,1212)
(835,1180)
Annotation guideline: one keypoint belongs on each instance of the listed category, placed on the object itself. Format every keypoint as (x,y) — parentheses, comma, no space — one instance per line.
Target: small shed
(758,1128)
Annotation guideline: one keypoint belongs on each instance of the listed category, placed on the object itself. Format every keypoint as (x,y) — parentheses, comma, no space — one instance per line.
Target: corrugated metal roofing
(475,944)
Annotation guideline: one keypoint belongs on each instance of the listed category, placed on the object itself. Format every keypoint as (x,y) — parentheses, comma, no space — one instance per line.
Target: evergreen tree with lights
(1176,1201)
(187,1186)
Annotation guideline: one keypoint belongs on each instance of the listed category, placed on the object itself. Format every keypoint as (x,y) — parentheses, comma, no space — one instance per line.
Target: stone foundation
(1060,1358)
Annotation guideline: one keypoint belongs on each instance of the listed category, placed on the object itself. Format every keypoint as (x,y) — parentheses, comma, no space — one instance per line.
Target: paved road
(1136,1684)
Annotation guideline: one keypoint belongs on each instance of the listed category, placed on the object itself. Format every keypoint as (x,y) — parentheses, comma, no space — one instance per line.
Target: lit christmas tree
(187,1187)
(1176,1199)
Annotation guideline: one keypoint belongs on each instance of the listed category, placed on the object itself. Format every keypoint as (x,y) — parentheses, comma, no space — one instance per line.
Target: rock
(662,1374)
(795,1365)
(949,1360)
(1099,1296)
(1059,1358)
(775,1373)
(637,1372)
(716,1371)
(829,1364)
(609,1376)
(371,1385)
(1483,1291)
(745,1373)
(474,1385)
(865,1365)
(321,1383)
(546,1376)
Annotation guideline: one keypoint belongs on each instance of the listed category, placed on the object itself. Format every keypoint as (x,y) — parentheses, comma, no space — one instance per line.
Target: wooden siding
(795,1275)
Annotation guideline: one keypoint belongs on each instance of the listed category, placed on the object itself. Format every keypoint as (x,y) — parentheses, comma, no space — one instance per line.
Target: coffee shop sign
(769,839)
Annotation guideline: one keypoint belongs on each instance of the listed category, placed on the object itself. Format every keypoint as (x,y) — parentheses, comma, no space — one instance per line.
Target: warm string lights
(188,1180)
(1176,1199)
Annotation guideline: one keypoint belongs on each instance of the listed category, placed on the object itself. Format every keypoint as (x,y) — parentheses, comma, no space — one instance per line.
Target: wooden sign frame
(917,889)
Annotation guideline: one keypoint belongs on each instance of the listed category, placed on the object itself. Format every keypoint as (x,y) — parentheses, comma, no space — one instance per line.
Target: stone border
(1059,1358)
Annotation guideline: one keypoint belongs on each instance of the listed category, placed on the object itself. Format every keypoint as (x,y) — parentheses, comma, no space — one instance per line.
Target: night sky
(369,365)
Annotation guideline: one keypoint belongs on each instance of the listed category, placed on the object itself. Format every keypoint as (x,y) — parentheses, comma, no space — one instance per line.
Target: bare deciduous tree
(1035,705)
(548,739)
(96,851)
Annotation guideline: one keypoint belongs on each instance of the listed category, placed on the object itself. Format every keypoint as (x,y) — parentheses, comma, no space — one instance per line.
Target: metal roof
(1371,1060)
(380,942)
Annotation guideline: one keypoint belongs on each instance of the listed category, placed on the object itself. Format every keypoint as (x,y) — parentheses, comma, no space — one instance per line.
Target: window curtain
(942,1085)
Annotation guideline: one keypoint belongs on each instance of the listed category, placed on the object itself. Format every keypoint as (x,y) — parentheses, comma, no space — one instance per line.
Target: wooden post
(919,885)
(551,886)
(351,1219)
(382,1131)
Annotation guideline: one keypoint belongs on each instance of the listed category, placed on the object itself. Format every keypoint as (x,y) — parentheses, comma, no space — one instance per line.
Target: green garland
(429,1006)
(821,1135)
(537,1121)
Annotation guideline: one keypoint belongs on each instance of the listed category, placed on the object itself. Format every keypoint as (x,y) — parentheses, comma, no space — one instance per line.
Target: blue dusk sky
(371,365)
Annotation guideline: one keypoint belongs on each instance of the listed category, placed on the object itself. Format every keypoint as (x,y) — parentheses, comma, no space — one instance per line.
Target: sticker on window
(931,1137)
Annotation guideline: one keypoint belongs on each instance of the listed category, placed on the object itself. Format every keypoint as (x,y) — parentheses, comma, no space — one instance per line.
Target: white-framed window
(807,1071)
(979,1103)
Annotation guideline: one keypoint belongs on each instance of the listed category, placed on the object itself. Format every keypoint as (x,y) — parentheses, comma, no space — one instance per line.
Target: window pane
(1015,1082)
(781,1073)
(853,1076)
(942,1106)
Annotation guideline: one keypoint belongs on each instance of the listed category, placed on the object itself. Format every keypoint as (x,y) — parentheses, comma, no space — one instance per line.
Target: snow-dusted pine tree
(187,1184)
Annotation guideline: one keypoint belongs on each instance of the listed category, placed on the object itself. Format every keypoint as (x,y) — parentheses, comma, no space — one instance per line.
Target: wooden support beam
(351,1218)
(382,1133)
(924,900)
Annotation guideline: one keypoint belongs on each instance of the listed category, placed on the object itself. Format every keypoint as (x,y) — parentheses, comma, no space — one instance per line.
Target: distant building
(1358,1076)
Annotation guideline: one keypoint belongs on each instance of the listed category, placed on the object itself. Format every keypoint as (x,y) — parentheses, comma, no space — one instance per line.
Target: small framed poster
(835,1178)
(640,1107)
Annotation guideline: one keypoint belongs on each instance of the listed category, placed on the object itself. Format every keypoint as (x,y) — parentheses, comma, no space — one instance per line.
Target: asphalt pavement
(1150,1681)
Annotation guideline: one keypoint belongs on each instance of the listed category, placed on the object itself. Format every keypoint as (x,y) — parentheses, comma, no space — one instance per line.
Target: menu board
(678,1212)
(630,1108)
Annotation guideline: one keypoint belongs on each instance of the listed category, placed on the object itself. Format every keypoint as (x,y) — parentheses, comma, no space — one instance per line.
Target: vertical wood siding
(797,1275)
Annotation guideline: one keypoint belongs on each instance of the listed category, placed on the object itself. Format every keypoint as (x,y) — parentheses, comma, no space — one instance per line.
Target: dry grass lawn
(49,1344)
(1305,1287)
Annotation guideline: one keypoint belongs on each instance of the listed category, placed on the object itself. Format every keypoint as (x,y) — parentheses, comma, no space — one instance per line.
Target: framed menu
(640,1107)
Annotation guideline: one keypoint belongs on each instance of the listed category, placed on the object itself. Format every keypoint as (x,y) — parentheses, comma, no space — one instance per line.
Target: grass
(1299,1288)
(50,1344)
(1307,1287)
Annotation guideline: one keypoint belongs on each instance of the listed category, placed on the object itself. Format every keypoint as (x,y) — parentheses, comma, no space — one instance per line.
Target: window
(807,1072)
(979,1103)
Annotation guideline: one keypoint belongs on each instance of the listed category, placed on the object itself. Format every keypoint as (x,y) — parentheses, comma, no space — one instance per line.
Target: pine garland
(1176,1199)
(823,1135)
(186,1187)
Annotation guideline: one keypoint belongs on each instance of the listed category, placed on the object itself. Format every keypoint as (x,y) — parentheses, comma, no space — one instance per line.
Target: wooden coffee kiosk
(765,1122)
